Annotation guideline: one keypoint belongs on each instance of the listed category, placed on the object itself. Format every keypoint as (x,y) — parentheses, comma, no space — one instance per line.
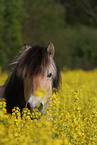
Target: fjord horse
(33,68)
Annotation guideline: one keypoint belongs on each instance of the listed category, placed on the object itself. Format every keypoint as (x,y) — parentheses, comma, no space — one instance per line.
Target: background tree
(70,25)
(12,28)
(80,12)
(2,8)
(3,57)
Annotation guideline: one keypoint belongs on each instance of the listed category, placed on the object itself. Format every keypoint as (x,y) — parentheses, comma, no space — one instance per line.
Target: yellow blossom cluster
(69,119)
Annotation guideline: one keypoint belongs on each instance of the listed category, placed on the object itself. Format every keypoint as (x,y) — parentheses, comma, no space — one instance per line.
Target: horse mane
(29,63)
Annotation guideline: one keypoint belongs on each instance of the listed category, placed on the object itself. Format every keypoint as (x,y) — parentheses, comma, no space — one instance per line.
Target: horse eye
(49,75)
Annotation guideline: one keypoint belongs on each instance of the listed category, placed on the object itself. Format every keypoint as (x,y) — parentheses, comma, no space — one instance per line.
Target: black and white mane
(30,63)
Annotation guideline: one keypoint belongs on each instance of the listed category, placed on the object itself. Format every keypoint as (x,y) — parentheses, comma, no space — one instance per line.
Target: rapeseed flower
(40,92)
(70,118)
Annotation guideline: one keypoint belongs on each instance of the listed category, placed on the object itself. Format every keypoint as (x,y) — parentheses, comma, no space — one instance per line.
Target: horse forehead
(37,79)
(41,82)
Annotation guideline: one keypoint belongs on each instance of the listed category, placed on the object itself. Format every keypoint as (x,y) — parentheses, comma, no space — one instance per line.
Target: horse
(33,68)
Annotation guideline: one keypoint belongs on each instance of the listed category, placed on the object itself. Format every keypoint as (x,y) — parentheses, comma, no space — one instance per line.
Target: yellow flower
(70,118)
(40,92)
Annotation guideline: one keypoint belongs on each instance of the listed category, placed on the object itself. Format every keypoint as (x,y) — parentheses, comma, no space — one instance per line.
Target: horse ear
(51,50)
(24,47)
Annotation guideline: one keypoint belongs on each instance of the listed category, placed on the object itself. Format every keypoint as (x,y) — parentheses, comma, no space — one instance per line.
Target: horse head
(34,69)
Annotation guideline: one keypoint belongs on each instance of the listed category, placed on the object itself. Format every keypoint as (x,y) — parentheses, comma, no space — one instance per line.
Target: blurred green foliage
(43,21)
(11,16)
(82,47)
(3,59)
(80,12)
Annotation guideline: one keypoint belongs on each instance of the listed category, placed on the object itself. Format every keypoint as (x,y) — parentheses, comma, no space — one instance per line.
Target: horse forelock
(33,61)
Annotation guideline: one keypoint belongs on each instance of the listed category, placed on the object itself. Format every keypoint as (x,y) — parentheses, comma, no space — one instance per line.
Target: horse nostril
(40,107)
(28,106)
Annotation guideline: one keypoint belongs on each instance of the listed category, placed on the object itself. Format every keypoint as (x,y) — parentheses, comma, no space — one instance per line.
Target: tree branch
(88,10)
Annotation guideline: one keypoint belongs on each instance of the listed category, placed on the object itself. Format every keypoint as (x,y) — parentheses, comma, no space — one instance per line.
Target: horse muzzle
(35,102)
(40,107)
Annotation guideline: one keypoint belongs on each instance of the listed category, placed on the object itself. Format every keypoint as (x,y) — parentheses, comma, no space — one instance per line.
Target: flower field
(70,119)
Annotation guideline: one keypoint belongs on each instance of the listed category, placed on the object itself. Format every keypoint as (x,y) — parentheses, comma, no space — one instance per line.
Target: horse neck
(14,91)
(2,88)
